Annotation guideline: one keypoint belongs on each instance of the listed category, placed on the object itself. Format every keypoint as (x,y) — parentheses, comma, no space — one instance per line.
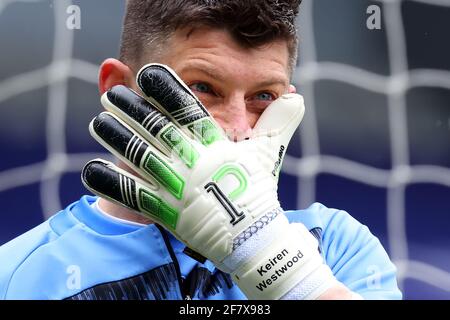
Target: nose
(234,118)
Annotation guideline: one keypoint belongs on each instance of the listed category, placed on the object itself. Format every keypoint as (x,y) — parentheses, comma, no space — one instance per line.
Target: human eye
(201,87)
(265,96)
(259,101)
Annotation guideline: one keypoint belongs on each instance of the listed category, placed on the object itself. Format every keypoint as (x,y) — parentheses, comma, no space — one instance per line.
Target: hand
(214,195)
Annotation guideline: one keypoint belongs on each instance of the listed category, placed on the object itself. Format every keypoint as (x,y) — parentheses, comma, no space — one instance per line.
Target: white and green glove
(216,196)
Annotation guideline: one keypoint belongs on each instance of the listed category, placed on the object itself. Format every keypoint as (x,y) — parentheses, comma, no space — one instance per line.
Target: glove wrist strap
(290,260)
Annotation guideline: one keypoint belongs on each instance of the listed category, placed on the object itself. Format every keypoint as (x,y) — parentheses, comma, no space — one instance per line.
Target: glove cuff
(287,259)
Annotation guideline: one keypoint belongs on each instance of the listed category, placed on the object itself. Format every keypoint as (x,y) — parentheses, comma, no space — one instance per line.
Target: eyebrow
(216,74)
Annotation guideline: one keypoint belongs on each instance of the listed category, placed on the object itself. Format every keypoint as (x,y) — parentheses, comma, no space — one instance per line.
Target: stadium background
(375,141)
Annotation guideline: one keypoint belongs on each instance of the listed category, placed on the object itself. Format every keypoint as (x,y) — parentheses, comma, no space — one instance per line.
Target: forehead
(217,49)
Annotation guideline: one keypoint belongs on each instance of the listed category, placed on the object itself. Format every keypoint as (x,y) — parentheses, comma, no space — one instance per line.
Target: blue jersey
(81,254)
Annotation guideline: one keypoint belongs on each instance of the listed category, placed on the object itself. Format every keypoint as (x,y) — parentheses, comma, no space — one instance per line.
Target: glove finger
(162,86)
(276,126)
(112,183)
(130,147)
(148,121)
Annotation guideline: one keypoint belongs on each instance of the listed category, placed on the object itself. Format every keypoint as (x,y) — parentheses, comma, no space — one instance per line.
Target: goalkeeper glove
(216,196)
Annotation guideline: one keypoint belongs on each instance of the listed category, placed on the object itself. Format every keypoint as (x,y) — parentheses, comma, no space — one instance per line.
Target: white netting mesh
(63,67)
(395,87)
(55,77)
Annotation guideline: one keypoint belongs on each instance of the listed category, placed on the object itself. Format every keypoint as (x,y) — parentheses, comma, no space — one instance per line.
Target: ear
(292,89)
(113,72)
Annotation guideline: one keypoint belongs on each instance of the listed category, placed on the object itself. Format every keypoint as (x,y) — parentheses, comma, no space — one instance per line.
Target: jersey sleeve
(356,256)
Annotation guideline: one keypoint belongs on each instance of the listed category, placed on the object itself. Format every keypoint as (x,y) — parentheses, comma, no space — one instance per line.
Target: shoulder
(328,224)
(318,215)
(16,253)
(336,230)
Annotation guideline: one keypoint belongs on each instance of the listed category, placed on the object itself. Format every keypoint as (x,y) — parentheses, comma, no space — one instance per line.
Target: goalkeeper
(191,210)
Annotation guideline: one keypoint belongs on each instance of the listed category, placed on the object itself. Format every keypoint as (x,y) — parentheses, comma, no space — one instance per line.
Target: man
(217,195)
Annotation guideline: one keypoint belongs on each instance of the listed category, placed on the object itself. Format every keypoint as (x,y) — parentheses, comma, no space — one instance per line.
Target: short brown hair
(252,23)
